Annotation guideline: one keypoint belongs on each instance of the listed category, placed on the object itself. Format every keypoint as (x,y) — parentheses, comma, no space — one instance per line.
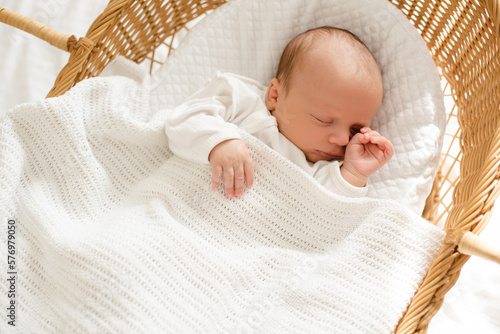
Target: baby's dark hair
(301,44)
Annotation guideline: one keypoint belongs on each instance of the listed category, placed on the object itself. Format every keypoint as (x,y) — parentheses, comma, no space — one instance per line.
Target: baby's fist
(366,152)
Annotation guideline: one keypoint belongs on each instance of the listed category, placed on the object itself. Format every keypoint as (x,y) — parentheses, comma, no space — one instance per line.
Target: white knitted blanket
(116,235)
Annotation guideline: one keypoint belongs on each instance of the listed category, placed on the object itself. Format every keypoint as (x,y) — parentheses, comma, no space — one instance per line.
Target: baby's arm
(231,161)
(366,152)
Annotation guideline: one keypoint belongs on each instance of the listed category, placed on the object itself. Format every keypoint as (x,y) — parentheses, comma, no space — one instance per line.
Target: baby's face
(324,108)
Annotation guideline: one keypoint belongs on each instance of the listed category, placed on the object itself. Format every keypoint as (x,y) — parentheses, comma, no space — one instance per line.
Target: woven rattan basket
(462,36)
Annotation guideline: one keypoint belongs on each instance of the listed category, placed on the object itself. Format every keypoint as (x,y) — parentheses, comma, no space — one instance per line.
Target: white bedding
(28,68)
(113,229)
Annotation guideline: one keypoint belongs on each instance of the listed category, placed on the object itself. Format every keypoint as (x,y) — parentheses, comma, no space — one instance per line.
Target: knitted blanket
(114,234)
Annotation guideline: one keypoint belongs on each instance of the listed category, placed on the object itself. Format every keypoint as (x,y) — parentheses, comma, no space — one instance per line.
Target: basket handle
(469,243)
(493,7)
(62,41)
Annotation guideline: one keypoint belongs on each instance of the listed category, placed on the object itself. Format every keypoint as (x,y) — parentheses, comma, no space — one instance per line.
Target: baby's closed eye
(324,121)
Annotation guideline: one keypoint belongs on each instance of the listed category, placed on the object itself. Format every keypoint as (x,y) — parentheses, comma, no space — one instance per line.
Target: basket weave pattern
(462,37)
(130,28)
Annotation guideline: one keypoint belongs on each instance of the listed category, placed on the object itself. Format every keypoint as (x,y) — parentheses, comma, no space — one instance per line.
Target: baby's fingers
(249,173)
(243,174)
(382,143)
(239,180)
(366,135)
(232,163)
(229,181)
(216,176)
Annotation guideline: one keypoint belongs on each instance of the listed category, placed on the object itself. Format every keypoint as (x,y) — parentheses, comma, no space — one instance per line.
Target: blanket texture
(115,234)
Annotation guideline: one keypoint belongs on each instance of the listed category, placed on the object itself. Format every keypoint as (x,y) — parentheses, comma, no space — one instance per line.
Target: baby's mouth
(328,156)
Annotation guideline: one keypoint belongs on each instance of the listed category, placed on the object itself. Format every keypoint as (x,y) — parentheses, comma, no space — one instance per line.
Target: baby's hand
(231,161)
(366,152)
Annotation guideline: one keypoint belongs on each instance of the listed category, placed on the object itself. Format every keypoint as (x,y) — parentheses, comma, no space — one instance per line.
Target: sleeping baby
(316,112)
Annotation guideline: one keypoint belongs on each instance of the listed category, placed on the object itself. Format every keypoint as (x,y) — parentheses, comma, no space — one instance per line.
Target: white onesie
(230,102)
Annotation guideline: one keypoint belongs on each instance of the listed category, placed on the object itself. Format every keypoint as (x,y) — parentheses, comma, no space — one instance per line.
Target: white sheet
(472,305)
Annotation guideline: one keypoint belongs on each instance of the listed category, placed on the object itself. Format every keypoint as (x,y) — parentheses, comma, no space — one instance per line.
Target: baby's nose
(341,139)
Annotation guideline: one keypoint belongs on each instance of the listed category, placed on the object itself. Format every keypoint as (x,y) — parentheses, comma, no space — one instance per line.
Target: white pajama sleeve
(328,174)
(343,187)
(198,125)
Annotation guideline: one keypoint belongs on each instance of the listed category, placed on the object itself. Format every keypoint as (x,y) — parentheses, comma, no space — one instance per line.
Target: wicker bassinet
(463,39)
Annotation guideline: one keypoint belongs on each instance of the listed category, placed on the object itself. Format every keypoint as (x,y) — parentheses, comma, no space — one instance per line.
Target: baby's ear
(273,92)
